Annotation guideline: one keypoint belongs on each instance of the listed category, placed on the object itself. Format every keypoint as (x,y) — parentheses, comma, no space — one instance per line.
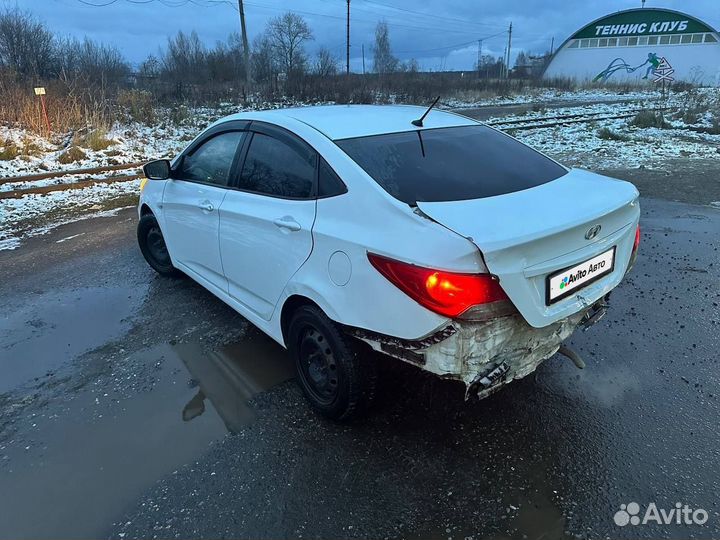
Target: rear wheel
(335,377)
(153,247)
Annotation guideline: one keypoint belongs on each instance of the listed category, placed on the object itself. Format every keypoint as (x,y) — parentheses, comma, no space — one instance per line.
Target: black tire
(153,248)
(336,378)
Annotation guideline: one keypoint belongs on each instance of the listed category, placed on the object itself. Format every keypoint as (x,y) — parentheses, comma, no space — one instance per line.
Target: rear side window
(274,167)
(329,184)
(210,163)
(450,164)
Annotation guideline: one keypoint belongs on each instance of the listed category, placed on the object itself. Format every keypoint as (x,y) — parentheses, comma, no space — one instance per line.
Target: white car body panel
(263,242)
(191,228)
(255,266)
(528,234)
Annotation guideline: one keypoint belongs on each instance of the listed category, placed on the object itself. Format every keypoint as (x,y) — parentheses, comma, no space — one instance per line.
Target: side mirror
(157,170)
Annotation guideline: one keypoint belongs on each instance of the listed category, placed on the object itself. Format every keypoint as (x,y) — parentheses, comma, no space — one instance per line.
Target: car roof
(348,121)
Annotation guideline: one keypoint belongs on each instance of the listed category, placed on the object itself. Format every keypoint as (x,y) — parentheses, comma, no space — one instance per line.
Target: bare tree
(326,65)
(262,61)
(412,66)
(287,34)
(27,47)
(150,67)
(94,63)
(226,60)
(184,60)
(383,60)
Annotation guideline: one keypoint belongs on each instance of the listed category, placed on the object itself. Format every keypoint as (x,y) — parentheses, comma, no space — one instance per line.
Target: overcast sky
(439,34)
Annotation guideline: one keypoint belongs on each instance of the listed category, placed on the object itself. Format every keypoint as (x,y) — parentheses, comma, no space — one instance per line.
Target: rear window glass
(450,164)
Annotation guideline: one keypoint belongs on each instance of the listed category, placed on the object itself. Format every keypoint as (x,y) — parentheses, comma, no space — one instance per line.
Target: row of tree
(29,50)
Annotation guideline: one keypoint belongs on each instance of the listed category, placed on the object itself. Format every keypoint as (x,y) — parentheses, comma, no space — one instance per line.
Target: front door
(191,203)
(266,224)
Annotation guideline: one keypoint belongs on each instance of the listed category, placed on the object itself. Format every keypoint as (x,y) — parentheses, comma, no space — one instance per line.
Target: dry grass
(8,150)
(649,119)
(72,155)
(95,139)
(67,110)
(27,148)
(611,135)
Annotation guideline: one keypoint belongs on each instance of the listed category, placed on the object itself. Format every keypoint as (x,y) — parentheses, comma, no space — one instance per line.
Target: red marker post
(40,91)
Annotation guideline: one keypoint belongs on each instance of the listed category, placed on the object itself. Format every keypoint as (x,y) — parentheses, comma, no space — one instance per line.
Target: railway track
(516,124)
(553,121)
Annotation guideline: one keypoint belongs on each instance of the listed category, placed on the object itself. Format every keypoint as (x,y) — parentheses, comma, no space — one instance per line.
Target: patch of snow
(68,238)
(17,215)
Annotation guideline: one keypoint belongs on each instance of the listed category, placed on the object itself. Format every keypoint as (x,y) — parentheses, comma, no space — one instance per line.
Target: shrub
(31,148)
(138,105)
(8,150)
(71,155)
(178,115)
(649,119)
(95,140)
(611,135)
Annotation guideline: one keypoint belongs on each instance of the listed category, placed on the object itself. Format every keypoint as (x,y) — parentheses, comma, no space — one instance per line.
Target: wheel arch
(291,304)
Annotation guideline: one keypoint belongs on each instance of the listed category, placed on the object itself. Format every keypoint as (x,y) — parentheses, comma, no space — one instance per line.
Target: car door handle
(287,223)
(207,206)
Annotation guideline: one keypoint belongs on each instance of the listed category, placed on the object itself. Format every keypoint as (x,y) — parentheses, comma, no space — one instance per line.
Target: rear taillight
(634,253)
(447,293)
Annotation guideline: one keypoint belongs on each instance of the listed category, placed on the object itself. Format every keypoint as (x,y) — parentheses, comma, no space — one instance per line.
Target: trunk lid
(528,235)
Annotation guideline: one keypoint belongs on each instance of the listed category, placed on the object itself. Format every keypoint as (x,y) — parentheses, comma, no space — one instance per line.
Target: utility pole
(363,55)
(509,45)
(479,61)
(246,47)
(348,38)
(552,45)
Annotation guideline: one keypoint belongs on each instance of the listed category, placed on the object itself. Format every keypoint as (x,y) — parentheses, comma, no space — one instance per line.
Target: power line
(485,38)
(433,16)
(355,19)
(213,3)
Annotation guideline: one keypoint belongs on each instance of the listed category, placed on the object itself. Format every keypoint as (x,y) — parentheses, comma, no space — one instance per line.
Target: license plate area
(566,282)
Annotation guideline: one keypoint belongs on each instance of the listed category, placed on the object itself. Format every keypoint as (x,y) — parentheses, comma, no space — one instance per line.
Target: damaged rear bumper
(484,355)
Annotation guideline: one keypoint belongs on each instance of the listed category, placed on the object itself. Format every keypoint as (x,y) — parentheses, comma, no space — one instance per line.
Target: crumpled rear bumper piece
(484,355)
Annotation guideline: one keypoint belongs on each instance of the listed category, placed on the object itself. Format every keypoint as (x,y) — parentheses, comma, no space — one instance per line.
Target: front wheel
(153,247)
(335,377)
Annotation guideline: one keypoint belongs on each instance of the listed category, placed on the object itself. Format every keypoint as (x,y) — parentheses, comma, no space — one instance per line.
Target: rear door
(266,220)
(191,202)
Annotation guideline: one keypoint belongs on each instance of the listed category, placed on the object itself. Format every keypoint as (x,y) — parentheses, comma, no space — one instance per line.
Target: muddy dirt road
(137,406)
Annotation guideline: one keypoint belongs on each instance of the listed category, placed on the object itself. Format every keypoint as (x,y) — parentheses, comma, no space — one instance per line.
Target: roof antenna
(419,121)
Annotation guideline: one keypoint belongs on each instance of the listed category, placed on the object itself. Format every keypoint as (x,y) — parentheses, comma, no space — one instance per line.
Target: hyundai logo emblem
(592,232)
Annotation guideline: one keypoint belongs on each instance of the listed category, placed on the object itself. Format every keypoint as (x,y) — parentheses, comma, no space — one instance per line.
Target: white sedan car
(441,242)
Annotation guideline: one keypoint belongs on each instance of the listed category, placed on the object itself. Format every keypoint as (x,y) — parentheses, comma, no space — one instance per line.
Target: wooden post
(40,91)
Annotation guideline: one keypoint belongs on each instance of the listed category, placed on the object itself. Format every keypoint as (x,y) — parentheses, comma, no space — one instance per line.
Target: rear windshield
(450,164)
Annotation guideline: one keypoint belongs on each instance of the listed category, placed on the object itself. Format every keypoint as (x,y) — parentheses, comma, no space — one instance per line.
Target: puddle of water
(54,328)
(81,468)
(228,378)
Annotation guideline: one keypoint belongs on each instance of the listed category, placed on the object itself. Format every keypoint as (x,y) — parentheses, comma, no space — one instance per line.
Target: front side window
(274,167)
(210,163)
(450,164)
